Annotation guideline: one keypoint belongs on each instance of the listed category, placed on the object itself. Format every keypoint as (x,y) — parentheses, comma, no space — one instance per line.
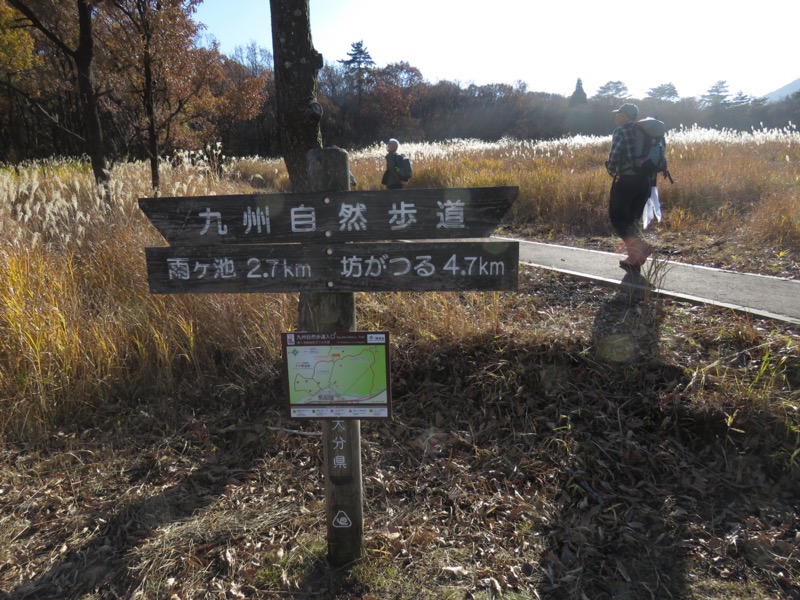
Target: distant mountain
(785,91)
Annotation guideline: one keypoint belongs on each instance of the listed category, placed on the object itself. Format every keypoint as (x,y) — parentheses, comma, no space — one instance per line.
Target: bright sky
(548,45)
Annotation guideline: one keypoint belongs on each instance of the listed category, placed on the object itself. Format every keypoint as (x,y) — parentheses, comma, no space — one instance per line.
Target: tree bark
(149,95)
(83,56)
(296,67)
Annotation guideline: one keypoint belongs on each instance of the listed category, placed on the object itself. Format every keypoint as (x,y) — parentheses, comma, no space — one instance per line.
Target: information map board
(337,375)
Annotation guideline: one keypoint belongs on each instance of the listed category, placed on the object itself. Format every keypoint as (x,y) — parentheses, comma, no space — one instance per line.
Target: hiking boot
(626,264)
(633,253)
(641,251)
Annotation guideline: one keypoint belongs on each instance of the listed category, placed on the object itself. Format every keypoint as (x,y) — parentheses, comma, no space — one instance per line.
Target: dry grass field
(566,440)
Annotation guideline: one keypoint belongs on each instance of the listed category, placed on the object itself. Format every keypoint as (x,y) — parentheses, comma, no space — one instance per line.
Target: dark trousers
(629,194)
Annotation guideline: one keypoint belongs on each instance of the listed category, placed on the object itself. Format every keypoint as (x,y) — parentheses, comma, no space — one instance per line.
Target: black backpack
(651,148)
(405,167)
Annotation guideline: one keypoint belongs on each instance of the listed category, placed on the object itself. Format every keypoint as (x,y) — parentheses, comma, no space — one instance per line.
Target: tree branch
(31,102)
(37,23)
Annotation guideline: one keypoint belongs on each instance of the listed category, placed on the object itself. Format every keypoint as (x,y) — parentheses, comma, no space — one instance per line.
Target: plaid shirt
(623,149)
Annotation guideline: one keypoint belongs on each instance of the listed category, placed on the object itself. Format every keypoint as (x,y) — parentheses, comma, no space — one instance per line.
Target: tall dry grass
(80,334)
(725,181)
(79,331)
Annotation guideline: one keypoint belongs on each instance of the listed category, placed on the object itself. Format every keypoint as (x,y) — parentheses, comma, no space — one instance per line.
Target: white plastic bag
(652,208)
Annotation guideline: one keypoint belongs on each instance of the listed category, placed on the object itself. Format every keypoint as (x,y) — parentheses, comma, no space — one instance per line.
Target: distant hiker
(629,190)
(398,167)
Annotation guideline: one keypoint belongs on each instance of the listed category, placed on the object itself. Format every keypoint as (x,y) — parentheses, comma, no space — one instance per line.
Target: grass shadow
(651,473)
(611,538)
(162,515)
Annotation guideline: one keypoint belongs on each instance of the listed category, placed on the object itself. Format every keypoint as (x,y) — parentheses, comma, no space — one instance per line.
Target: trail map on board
(337,375)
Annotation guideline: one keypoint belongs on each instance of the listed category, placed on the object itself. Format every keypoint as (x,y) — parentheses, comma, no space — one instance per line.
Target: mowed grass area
(561,440)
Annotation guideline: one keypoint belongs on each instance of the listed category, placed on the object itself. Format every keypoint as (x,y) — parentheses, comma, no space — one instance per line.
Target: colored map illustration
(352,374)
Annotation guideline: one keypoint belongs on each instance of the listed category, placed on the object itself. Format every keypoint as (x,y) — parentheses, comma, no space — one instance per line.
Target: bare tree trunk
(296,67)
(149,96)
(150,110)
(84,55)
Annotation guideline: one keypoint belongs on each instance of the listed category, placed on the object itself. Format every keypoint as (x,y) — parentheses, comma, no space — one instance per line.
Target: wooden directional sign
(329,242)
(376,267)
(330,217)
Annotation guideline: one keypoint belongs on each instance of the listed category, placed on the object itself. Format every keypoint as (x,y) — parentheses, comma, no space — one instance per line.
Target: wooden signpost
(328,245)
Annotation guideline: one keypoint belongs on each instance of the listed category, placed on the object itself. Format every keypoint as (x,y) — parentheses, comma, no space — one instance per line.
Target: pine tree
(717,96)
(578,97)
(666,92)
(359,69)
(614,91)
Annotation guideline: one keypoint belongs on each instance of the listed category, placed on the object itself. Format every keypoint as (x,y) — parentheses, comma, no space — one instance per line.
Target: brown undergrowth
(649,451)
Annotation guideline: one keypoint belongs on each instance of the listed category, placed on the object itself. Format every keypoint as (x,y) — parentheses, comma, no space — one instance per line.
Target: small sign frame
(337,375)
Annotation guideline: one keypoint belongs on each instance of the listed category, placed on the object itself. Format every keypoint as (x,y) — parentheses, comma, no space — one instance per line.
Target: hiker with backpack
(630,188)
(398,167)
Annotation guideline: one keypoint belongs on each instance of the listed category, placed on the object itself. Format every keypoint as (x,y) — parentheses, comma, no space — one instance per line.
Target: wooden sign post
(328,244)
(341,439)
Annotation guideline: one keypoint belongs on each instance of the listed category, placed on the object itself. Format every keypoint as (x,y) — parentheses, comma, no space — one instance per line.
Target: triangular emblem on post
(342,521)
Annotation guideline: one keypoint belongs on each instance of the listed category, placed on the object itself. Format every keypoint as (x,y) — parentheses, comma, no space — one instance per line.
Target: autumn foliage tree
(238,95)
(148,88)
(17,60)
(162,82)
(69,28)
